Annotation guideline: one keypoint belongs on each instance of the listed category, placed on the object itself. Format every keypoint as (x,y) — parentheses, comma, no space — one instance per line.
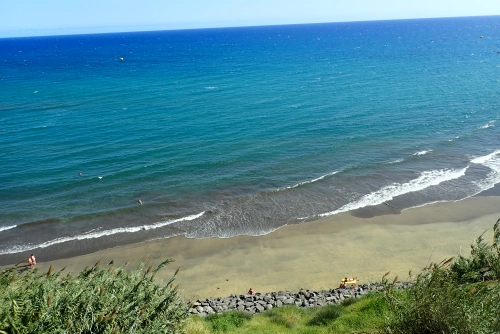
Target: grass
(363,315)
(227,321)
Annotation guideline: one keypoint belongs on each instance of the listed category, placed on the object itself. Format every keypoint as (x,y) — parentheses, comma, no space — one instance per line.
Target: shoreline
(313,255)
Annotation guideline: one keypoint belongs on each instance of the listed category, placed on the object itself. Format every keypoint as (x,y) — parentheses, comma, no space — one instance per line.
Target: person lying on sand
(351,280)
(251,292)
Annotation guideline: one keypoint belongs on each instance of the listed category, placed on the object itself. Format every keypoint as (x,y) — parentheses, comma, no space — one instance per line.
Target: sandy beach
(313,255)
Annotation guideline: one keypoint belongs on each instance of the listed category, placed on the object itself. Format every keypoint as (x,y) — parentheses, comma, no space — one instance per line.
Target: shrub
(450,297)
(484,261)
(98,300)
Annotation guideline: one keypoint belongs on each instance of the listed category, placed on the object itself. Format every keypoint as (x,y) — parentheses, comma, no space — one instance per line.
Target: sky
(19,18)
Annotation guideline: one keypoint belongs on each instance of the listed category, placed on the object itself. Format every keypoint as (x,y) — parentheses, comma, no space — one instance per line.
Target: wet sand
(313,255)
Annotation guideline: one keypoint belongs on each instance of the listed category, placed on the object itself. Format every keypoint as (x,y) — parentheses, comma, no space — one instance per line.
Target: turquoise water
(222,132)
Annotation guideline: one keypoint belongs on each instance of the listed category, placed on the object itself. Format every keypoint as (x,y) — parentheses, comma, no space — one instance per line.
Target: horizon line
(151,28)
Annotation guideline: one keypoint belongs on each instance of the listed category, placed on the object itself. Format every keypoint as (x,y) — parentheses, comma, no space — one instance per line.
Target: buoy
(480,36)
(121,59)
(139,201)
(80,174)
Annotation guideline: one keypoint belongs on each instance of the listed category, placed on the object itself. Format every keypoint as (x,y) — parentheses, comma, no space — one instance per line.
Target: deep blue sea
(224,132)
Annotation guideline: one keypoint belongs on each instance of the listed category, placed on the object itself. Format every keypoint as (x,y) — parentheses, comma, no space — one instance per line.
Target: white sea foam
(395,161)
(99,234)
(5,228)
(312,181)
(211,87)
(488,160)
(490,124)
(492,161)
(422,152)
(425,180)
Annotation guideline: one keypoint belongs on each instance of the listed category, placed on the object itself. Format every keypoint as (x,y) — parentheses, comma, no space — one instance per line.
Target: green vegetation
(363,315)
(484,262)
(227,321)
(455,296)
(98,300)
(458,295)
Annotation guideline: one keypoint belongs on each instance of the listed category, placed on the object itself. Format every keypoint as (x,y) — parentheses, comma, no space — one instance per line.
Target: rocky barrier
(304,298)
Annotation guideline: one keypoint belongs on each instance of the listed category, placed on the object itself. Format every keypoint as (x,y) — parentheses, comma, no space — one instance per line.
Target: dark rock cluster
(261,302)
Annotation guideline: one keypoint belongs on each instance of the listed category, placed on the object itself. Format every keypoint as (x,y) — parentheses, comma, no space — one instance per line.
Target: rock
(304,293)
(303,298)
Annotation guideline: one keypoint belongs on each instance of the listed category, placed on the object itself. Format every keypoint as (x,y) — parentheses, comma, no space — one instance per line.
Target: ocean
(239,131)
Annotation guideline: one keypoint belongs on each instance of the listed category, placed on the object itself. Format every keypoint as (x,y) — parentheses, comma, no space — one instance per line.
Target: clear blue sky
(49,17)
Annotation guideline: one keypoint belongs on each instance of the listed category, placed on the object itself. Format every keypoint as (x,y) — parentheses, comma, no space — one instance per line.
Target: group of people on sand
(351,280)
(32,261)
(347,280)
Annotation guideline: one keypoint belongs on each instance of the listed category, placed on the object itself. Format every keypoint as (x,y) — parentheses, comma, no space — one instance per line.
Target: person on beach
(251,292)
(32,261)
(346,280)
